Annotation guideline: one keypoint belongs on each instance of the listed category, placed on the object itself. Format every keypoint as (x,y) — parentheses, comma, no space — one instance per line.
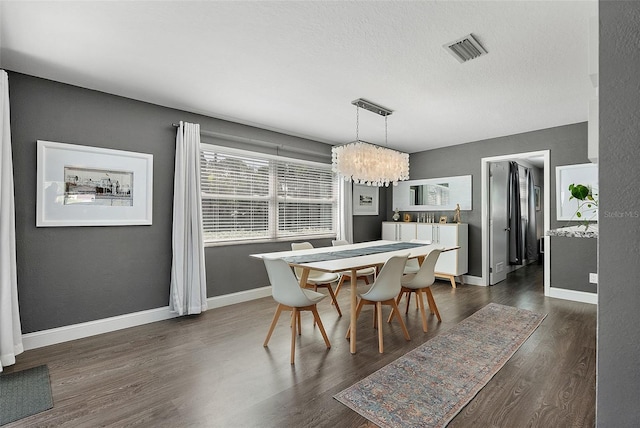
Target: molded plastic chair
(413,266)
(291,297)
(384,291)
(421,282)
(316,278)
(360,274)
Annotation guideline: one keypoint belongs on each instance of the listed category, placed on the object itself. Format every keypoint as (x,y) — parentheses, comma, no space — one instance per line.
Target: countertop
(576,231)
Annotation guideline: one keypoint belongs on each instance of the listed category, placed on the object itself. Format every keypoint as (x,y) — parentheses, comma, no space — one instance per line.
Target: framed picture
(585,174)
(443,219)
(91,186)
(365,200)
(537,197)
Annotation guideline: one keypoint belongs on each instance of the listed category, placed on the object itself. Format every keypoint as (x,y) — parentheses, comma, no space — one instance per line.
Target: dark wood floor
(212,370)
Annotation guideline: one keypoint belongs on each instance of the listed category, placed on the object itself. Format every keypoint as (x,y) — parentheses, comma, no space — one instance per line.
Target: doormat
(24,393)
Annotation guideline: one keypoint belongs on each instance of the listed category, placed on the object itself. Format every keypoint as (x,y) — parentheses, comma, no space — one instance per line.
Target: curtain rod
(260,143)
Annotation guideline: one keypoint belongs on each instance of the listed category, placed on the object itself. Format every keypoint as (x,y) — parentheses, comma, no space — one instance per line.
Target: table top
(350,262)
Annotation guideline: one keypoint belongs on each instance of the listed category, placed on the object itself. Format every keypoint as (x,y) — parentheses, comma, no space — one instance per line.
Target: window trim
(273,197)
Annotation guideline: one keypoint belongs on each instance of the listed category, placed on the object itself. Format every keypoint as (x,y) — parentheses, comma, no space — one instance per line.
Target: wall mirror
(433,194)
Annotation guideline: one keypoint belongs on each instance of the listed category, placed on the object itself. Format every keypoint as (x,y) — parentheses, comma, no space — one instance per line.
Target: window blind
(251,196)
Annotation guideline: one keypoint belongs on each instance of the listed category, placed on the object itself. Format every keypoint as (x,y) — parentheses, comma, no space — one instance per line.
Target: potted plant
(588,201)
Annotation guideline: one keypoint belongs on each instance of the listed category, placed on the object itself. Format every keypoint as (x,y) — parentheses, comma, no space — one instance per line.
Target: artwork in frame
(90,186)
(537,197)
(566,207)
(365,200)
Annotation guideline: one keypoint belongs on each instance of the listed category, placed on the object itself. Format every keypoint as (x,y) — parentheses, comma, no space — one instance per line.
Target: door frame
(484,183)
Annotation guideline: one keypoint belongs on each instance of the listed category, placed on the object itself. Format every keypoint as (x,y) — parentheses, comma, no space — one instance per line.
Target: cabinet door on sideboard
(398,231)
(389,231)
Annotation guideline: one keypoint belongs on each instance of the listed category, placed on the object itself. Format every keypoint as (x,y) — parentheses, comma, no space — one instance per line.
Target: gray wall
(369,227)
(69,275)
(568,145)
(618,347)
(572,260)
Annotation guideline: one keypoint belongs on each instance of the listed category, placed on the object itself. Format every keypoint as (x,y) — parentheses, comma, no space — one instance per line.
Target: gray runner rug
(428,386)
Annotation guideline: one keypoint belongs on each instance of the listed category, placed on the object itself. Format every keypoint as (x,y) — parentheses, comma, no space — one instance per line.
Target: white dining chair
(418,283)
(291,297)
(316,278)
(384,291)
(413,266)
(363,274)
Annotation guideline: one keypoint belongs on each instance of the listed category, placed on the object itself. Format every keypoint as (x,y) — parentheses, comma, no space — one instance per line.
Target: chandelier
(367,163)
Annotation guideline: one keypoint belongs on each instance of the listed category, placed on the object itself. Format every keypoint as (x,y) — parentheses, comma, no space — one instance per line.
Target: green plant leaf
(578,214)
(579,191)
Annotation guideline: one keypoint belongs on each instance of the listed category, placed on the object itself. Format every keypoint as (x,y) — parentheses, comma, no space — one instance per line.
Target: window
(252,196)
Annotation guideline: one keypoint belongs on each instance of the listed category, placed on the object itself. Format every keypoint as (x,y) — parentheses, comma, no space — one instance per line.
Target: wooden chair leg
(375,317)
(397,302)
(358,309)
(294,316)
(333,299)
(432,303)
(423,313)
(379,312)
(342,277)
(316,316)
(366,279)
(406,311)
(276,316)
(299,324)
(402,325)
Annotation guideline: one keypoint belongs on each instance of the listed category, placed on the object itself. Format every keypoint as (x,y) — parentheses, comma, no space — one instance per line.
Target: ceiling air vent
(465,48)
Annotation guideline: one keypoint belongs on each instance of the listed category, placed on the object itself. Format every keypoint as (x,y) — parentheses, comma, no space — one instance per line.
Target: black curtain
(531,238)
(515,220)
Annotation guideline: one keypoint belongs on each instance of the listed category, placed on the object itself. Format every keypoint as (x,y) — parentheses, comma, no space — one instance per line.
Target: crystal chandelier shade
(366,163)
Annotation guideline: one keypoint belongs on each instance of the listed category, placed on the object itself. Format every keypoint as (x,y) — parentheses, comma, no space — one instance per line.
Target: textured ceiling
(295,67)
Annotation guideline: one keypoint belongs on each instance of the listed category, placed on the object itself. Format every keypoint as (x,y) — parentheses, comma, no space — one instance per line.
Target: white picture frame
(585,174)
(75,186)
(365,200)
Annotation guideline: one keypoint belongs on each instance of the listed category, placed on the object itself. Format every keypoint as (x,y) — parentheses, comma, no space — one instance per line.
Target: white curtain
(345,210)
(10,329)
(188,278)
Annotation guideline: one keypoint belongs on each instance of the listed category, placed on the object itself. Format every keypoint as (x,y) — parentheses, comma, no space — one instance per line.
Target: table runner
(356,252)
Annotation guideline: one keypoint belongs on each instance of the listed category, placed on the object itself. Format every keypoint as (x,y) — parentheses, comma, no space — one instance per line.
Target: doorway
(494,223)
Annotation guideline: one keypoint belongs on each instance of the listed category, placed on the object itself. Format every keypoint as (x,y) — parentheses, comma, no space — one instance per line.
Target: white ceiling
(295,67)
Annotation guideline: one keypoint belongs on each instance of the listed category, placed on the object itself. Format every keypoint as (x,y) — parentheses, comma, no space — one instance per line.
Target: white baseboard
(473,280)
(52,336)
(576,296)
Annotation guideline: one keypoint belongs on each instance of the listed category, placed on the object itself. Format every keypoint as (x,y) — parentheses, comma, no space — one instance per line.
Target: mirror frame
(461,193)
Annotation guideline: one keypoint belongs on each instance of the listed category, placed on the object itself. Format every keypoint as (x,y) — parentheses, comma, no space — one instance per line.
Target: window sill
(264,241)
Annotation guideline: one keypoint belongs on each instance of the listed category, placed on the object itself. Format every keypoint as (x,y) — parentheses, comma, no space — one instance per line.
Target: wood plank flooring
(211,370)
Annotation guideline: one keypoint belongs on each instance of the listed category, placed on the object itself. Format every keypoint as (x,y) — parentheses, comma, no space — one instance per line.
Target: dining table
(351,258)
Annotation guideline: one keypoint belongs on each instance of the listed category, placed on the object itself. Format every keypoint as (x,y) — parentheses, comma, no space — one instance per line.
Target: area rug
(429,386)
(24,393)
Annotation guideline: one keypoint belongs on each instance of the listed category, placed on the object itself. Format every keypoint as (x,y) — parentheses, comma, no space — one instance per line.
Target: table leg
(354,304)
(304,277)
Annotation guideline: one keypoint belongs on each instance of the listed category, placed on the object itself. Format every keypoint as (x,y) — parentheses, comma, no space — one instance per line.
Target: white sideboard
(450,264)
